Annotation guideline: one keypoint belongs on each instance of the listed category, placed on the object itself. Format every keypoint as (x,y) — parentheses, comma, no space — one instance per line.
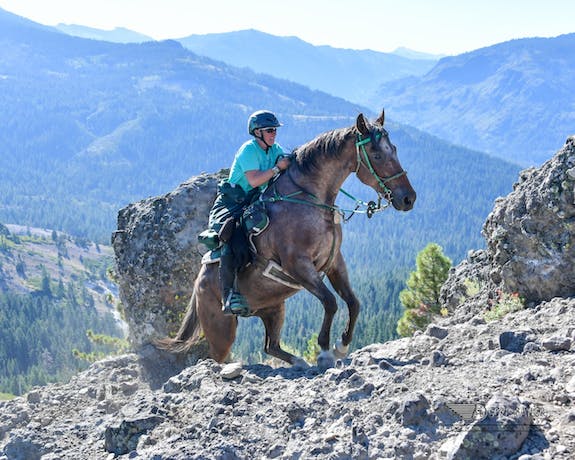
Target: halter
(381,181)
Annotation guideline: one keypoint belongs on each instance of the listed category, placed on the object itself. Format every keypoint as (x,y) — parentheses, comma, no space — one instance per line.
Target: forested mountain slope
(53,289)
(514,100)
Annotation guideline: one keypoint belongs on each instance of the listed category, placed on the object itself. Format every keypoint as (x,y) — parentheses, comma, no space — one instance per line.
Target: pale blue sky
(433,26)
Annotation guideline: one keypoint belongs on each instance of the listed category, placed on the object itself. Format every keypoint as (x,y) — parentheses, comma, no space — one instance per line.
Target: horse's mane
(309,156)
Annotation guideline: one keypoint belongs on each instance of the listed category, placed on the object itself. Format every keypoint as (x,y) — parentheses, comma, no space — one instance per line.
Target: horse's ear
(362,124)
(381,118)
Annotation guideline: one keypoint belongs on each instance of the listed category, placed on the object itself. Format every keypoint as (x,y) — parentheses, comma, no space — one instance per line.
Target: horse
(301,244)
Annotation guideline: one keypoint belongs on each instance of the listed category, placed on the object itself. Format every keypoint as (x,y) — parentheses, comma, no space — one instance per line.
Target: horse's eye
(377,156)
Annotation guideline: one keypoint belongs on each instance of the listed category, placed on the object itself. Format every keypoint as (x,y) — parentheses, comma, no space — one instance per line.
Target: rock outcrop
(465,388)
(530,237)
(531,232)
(158,256)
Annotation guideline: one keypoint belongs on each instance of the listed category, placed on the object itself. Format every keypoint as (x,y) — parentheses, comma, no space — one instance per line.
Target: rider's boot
(233,302)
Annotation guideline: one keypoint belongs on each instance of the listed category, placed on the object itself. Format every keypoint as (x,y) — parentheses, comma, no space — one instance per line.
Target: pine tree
(421,298)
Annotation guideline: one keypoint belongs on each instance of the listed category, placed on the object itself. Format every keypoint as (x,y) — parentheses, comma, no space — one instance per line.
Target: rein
(371,207)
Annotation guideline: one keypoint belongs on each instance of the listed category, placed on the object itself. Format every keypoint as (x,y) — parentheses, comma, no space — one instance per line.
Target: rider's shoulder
(277,148)
(247,148)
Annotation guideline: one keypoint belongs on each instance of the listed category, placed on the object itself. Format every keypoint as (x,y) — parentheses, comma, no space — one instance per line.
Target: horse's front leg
(340,281)
(305,273)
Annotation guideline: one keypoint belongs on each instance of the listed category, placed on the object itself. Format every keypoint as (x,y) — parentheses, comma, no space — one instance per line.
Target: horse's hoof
(325,360)
(340,350)
(299,364)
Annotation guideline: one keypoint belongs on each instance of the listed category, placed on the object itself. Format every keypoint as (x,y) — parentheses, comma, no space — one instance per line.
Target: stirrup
(236,304)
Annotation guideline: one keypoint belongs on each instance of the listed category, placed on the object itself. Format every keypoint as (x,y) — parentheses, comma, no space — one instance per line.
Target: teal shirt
(251,157)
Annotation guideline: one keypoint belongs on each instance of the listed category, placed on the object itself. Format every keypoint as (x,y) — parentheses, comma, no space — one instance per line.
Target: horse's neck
(325,182)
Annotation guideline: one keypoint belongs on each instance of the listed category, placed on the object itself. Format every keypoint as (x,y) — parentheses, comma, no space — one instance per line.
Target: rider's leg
(233,302)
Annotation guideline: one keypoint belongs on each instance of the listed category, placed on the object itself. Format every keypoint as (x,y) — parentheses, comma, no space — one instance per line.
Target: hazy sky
(433,26)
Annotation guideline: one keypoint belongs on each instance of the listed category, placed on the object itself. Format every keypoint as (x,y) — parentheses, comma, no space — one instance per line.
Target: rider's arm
(256,177)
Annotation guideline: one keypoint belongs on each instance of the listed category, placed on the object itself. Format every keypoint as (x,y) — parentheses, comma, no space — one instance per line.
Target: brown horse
(302,241)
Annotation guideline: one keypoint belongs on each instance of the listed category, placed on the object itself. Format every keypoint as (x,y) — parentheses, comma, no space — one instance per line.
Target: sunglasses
(269,130)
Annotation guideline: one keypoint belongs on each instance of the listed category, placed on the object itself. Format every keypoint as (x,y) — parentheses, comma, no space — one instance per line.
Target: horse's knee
(330,305)
(353,307)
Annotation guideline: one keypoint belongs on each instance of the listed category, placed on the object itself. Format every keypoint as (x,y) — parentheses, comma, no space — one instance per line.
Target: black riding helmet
(262,119)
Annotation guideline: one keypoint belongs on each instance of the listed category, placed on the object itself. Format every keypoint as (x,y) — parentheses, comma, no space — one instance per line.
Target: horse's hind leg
(219,329)
(340,281)
(273,319)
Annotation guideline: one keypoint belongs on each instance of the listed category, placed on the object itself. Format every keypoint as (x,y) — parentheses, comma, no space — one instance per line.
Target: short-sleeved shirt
(251,157)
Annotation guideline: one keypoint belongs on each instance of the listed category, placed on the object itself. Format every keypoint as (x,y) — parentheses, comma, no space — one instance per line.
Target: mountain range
(89,126)
(354,75)
(490,99)
(515,100)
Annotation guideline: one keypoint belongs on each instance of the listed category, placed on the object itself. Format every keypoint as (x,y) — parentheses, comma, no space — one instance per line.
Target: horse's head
(378,165)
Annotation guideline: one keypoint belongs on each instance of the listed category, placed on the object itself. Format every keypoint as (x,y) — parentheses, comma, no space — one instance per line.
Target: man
(256,162)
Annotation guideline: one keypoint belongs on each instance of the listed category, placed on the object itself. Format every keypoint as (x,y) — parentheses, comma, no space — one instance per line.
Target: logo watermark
(496,414)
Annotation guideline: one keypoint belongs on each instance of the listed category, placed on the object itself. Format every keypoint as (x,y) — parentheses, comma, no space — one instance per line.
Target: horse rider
(256,162)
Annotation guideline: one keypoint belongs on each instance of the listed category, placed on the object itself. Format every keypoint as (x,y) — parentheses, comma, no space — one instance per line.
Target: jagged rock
(530,237)
(556,343)
(124,437)
(158,256)
(515,341)
(413,410)
(436,331)
(531,233)
(382,402)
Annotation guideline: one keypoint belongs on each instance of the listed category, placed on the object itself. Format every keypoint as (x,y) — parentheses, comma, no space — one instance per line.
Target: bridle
(371,207)
(381,181)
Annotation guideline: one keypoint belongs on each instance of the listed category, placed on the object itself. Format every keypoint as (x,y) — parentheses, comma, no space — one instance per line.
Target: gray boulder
(158,256)
(531,233)
(530,236)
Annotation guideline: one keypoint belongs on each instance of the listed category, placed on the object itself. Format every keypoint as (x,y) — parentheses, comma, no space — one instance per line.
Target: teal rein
(291,198)
(371,207)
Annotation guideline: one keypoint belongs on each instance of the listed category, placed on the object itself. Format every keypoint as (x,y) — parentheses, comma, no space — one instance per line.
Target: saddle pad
(276,272)
(211,257)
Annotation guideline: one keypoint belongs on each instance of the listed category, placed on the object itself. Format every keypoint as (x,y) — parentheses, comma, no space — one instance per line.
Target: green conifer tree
(421,298)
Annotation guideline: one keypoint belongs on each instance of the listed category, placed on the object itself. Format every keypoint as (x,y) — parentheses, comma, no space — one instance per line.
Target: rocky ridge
(467,387)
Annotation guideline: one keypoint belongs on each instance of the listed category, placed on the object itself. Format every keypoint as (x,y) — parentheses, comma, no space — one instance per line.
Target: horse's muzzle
(403,200)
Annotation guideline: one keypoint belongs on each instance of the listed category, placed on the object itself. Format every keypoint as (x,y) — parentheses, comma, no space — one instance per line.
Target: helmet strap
(261,138)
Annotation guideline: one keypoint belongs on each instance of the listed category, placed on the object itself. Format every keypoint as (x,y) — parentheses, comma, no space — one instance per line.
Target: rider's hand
(283,163)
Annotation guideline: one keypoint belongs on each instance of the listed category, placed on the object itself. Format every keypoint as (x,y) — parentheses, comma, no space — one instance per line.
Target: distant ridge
(412,54)
(352,74)
(117,35)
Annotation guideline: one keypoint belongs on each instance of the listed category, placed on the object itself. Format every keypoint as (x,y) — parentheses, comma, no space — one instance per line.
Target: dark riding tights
(227,271)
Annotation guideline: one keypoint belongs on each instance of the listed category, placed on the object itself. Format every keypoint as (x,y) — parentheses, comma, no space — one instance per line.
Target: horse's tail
(189,334)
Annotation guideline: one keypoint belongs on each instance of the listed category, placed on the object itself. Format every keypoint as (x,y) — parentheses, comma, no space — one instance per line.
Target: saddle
(230,222)
(252,221)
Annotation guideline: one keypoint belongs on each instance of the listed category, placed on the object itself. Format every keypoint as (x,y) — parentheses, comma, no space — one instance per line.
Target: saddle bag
(230,203)
(255,218)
